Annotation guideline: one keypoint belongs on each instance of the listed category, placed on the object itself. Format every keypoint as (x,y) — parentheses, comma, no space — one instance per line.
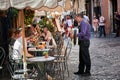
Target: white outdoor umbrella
(79,6)
(68,5)
(32,4)
(56,9)
(41,13)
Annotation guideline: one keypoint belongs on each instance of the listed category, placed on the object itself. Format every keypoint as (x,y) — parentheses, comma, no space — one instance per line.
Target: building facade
(107,9)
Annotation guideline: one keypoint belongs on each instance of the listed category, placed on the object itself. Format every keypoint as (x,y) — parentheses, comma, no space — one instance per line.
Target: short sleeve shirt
(17,49)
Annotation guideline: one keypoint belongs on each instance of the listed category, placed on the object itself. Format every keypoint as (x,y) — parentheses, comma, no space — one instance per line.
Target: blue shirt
(84,33)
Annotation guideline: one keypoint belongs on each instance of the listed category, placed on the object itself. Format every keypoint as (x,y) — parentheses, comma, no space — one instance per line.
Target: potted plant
(45,54)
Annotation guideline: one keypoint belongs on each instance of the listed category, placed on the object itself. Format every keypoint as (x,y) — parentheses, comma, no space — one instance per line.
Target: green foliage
(28,16)
(46,52)
(14,12)
(46,23)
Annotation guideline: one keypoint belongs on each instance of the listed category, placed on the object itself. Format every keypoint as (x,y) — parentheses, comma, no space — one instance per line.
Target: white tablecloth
(41,59)
(36,50)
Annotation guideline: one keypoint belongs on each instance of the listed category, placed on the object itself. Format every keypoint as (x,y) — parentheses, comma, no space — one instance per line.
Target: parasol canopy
(79,7)
(21,4)
(41,13)
(63,5)
(56,9)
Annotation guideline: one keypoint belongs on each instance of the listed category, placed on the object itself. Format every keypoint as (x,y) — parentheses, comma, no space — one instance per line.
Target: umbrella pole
(23,40)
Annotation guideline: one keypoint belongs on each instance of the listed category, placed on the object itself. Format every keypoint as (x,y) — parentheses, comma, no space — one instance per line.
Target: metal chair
(2,57)
(66,56)
(63,57)
(60,64)
(57,65)
(15,67)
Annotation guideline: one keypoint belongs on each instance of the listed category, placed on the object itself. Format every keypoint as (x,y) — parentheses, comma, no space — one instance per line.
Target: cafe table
(37,52)
(39,60)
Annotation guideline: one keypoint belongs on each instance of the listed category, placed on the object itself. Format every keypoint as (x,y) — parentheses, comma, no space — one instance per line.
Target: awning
(21,4)
(41,13)
(79,6)
(63,5)
(68,5)
(56,9)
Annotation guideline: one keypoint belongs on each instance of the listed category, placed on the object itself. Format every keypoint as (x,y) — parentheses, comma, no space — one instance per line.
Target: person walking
(84,43)
(102,25)
(69,25)
(95,26)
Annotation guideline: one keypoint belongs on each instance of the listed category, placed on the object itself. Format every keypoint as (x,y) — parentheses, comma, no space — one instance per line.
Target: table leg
(41,73)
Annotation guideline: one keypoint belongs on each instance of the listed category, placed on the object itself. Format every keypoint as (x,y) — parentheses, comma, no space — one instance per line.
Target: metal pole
(92,11)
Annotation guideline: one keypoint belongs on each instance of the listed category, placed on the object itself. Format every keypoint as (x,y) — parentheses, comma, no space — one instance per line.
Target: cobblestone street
(105,58)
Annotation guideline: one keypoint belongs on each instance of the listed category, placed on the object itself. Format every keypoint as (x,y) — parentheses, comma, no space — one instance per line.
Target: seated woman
(48,37)
(18,45)
(35,30)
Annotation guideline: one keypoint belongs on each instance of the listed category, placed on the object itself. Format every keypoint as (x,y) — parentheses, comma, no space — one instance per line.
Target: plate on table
(31,49)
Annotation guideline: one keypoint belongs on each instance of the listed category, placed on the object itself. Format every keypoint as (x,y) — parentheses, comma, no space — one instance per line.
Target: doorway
(113,8)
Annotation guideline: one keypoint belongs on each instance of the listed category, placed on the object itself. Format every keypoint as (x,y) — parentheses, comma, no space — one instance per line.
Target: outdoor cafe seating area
(34,56)
(48,63)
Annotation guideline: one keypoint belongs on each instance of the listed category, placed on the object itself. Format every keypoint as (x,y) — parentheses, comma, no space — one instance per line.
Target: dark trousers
(102,31)
(74,39)
(84,57)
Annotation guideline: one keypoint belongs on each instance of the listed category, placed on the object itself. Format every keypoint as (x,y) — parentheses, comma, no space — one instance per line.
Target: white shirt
(62,30)
(86,18)
(101,21)
(18,49)
(69,22)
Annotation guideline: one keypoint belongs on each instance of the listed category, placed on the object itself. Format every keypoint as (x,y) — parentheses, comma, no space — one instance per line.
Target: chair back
(10,52)
(2,56)
(14,55)
(68,49)
(59,41)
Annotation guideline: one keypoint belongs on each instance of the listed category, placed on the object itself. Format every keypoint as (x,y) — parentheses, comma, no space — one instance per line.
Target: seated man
(18,45)
(15,34)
